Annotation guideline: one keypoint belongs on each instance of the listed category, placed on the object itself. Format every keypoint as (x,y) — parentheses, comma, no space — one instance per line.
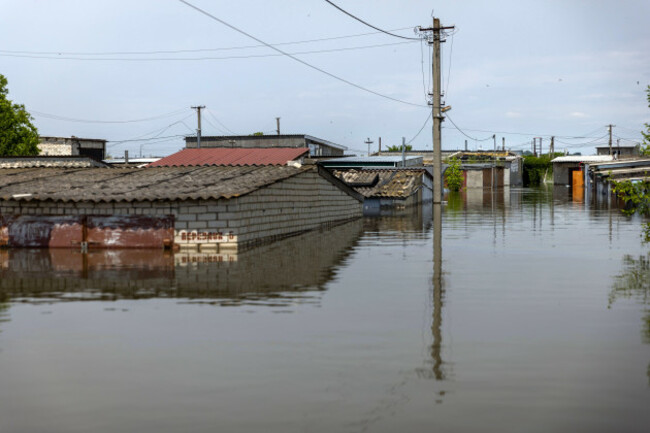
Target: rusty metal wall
(57,231)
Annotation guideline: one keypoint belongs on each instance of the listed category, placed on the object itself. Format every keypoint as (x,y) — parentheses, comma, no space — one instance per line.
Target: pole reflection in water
(438,292)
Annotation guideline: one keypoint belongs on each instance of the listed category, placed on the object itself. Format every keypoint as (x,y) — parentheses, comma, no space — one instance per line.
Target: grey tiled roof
(161,183)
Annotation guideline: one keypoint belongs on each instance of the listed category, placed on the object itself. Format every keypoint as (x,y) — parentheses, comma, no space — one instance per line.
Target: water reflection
(292,270)
(634,283)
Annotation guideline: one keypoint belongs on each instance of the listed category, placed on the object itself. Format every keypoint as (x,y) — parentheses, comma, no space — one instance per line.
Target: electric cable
(463,132)
(196,50)
(343,80)
(421,129)
(178,59)
(70,119)
(369,25)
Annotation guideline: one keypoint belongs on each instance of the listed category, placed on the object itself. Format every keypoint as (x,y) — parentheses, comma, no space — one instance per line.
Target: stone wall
(294,205)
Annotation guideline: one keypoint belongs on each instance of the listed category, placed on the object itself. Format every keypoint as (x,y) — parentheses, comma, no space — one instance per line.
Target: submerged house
(388,188)
(568,170)
(197,208)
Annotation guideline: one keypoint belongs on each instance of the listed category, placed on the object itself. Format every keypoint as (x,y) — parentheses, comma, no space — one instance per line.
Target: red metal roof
(231,156)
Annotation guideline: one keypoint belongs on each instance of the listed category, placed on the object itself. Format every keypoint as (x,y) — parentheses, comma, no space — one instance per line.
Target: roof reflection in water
(293,270)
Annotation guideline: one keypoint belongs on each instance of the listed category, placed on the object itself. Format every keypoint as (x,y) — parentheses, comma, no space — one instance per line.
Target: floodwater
(519,312)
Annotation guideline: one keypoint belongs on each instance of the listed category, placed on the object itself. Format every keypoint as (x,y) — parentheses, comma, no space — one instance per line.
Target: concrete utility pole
(198,109)
(503,144)
(277,122)
(465,145)
(403,151)
(434,39)
(380,146)
(610,126)
(368,142)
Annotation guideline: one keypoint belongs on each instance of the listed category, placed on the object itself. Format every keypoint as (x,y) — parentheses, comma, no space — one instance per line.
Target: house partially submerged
(182,207)
(477,167)
(619,151)
(568,170)
(317,146)
(388,188)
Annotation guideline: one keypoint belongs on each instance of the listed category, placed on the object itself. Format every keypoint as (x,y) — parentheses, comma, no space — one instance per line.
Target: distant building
(619,152)
(72,146)
(49,162)
(317,147)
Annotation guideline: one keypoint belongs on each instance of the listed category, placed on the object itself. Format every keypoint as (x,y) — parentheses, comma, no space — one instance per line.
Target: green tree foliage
(398,148)
(454,175)
(535,168)
(257,134)
(18,136)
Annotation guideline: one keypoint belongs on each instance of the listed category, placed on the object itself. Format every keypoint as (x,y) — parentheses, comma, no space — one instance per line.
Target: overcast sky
(515,68)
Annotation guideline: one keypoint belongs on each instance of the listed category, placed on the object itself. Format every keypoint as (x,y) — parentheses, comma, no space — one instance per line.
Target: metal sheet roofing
(231,157)
(389,183)
(147,184)
(583,158)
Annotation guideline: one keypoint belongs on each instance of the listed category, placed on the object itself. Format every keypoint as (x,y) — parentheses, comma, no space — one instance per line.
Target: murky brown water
(538,321)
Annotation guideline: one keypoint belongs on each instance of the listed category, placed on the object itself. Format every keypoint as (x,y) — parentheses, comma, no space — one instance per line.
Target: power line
(113,143)
(70,119)
(176,59)
(220,122)
(369,25)
(425,124)
(463,132)
(196,50)
(343,80)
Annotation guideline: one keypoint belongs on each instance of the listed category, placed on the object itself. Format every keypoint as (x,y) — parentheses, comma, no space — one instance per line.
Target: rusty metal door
(40,231)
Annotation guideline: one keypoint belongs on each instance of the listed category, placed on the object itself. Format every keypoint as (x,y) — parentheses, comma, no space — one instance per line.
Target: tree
(398,148)
(454,175)
(18,136)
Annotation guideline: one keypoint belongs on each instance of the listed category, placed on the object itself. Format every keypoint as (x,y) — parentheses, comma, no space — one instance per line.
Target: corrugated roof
(49,161)
(231,156)
(583,158)
(161,183)
(389,183)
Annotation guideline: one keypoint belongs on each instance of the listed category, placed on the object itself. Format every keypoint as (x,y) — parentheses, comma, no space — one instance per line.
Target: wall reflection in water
(287,271)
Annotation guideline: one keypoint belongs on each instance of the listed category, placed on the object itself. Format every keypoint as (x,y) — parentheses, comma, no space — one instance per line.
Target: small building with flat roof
(317,146)
(94,148)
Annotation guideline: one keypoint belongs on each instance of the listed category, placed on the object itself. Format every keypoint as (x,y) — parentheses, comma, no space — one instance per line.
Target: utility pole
(379,146)
(368,142)
(503,144)
(198,109)
(465,145)
(610,126)
(403,151)
(277,122)
(551,151)
(434,38)
(494,162)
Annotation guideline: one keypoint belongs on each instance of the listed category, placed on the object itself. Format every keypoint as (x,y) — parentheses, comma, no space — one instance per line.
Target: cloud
(514,114)
(578,114)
